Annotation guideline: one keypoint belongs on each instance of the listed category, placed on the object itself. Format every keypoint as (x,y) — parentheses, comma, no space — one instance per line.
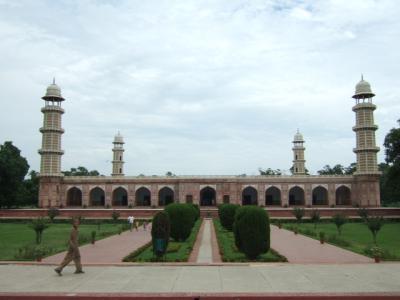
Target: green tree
(390,189)
(28,193)
(315,217)
(270,171)
(298,213)
(81,171)
(13,168)
(39,225)
(339,220)
(374,225)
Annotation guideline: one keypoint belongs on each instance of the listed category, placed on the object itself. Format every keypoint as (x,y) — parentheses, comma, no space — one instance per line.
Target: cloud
(213,87)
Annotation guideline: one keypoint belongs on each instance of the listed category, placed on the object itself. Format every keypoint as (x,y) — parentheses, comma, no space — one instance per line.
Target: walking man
(73,250)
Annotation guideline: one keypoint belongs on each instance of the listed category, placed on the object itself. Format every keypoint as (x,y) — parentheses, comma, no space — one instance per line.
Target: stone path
(205,251)
(301,249)
(109,250)
(255,278)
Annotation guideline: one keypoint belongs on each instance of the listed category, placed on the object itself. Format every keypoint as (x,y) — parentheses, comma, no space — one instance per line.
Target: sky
(198,87)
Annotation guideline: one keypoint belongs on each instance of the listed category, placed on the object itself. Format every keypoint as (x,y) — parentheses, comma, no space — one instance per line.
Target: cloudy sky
(198,87)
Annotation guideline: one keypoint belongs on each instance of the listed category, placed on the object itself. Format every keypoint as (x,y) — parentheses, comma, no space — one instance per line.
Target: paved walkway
(205,251)
(109,250)
(257,278)
(301,249)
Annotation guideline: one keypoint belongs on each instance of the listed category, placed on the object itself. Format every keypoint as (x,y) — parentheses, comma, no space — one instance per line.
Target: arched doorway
(120,197)
(320,196)
(296,196)
(273,196)
(343,195)
(97,197)
(165,196)
(207,196)
(74,197)
(249,196)
(143,197)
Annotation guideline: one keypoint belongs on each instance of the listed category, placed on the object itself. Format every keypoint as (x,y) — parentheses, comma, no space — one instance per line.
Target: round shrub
(160,231)
(182,218)
(251,230)
(226,213)
(196,210)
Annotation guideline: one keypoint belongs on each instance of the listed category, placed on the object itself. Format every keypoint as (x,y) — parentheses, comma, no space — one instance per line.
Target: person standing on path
(130,221)
(73,253)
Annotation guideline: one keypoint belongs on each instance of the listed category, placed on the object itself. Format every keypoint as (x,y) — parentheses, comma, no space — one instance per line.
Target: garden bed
(229,252)
(176,251)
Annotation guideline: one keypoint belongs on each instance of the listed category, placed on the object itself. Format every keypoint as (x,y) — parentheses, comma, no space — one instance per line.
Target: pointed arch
(120,197)
(249,196)
(143,197)
(320,196)
(74,197)
(273,196)
(165,196)
(343,195)
(97,197)
(296,196)
(207,196)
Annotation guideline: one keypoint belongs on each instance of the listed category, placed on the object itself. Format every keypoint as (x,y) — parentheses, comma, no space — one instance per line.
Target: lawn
(176,251)
(230,253)
(14,236)
(357,237)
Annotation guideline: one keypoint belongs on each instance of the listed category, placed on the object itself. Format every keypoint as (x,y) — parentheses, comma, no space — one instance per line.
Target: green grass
(14,236)
(357,237)
(176,251)
(230,253)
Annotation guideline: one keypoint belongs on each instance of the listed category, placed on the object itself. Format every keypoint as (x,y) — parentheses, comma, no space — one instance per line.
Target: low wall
(149,212)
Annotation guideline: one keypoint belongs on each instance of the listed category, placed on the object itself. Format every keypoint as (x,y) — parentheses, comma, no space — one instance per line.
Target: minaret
(50,164)
(366,148)
(118,156)
(298,154)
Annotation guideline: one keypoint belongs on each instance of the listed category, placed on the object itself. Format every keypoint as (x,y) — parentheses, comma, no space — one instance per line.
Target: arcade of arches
(249,196)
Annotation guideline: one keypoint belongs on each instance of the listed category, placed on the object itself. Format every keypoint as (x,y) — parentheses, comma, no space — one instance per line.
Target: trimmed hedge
(252,231)
(160,230)
(183,217)
(226,213)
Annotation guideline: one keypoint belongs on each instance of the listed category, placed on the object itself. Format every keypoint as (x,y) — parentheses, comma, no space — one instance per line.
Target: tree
(81,171)
(374,225)
(160,232)
(315,217)
(390,189)
(298,213)
(270,171)
(39,225)
(170,174)
(29,191)
(339,221)
(338,169)
(13,168)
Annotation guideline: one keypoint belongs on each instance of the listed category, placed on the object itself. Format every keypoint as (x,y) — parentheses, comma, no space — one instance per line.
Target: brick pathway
(109,250)
(301,249)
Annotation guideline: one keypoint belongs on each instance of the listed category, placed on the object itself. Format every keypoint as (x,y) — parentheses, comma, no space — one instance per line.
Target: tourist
(73,250)
(130,221)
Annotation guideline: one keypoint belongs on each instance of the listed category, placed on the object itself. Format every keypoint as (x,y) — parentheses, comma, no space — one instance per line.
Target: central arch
(97,197)
(249,196)
(273,196)
(343,196)
(74,197)
(320,196)
(165,196)
(143,197)
(296,196)
(120,197)
(207,196)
